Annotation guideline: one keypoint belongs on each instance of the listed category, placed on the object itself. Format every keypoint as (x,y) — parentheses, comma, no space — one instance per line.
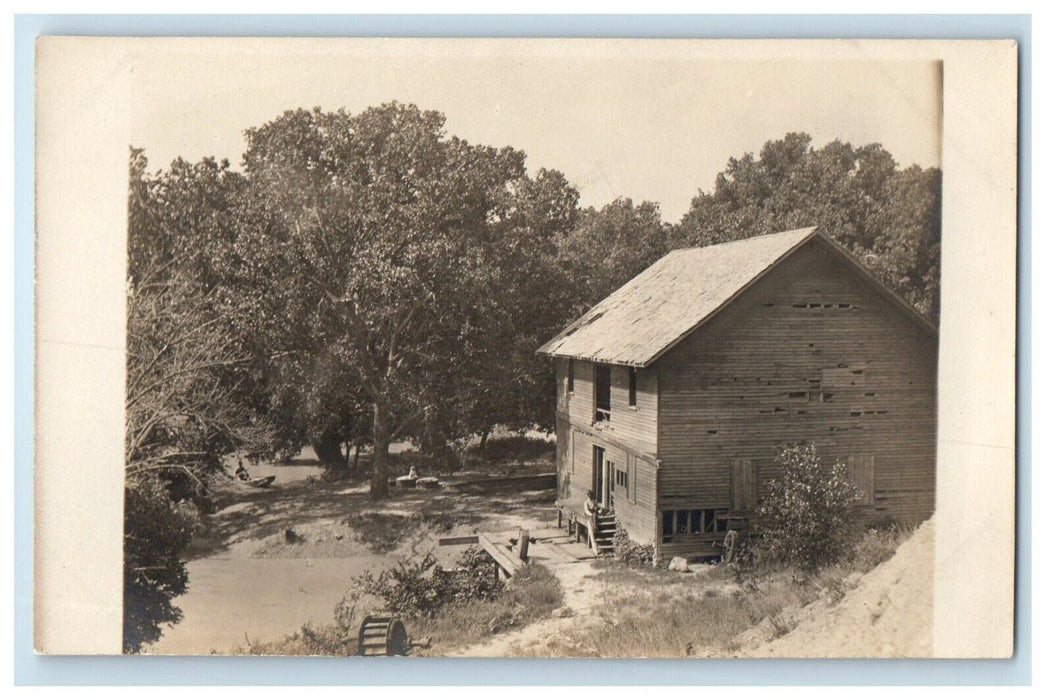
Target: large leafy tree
(379,242)
(887,216)
(610,246)
(526,297)
(186,371)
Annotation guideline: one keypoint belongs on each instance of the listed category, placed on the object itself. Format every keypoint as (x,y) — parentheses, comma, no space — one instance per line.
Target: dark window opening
(603,392)
(632,386)
(681,522)
(667,525)
(621,478)
(570,376)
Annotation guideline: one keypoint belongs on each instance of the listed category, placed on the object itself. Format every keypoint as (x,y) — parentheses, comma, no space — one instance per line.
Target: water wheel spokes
(382,636)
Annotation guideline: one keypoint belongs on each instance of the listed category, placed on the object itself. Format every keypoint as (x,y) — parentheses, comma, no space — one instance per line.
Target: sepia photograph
(530,348)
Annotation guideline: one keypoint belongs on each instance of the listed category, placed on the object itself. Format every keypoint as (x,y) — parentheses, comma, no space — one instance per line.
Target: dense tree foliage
(612,245)
(187,404)
(886,216)
(407,257)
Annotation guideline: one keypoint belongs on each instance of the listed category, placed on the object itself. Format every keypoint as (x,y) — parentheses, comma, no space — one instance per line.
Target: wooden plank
(462,539)
(500,555)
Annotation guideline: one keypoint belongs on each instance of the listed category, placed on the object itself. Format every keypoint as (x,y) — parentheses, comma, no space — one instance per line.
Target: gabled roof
(666,302)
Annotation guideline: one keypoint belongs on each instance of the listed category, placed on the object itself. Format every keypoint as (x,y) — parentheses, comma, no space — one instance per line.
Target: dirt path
(582,593)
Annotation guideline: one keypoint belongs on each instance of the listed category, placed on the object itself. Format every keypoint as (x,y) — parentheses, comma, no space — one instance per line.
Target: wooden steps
(603,539)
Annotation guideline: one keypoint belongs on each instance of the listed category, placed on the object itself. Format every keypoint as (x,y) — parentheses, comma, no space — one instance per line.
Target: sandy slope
(887,614)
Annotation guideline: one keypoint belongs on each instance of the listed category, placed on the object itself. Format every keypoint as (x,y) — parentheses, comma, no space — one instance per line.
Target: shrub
(630,552)
(421,588)
(518,448)
(156,530)
(805,512)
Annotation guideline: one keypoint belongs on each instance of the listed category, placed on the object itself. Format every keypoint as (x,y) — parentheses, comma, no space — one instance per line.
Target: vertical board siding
(861,474)
(812,352)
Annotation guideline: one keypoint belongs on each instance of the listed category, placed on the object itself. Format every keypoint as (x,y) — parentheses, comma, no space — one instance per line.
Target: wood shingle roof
(666,302)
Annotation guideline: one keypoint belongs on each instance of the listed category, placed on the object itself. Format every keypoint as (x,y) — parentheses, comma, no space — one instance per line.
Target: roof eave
(904,305)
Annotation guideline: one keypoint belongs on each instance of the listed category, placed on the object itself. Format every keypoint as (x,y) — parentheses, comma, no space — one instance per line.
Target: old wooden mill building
(674,392)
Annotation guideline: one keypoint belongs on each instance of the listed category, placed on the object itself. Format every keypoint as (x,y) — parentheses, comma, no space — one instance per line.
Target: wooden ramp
(507,559)
(510,552)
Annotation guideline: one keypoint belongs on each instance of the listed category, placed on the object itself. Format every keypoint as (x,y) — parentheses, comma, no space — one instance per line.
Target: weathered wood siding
(629,440)
(811,352)
(634,426)
(634,505)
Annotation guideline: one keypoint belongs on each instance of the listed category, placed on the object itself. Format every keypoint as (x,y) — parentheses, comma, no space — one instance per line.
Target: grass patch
(651,612)
(531,594)
(307,641)
(381,532)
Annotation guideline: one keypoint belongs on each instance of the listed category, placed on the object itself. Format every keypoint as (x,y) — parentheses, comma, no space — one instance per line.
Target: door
(597,473)
(608,485)
(743,485)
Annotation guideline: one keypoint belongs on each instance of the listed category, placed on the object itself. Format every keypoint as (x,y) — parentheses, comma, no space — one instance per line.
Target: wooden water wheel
(730,541)
(382,636)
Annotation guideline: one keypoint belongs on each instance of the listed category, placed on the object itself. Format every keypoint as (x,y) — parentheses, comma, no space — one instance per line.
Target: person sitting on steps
(592,511)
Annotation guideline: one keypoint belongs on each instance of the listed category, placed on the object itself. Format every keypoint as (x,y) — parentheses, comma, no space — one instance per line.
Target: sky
(650,122)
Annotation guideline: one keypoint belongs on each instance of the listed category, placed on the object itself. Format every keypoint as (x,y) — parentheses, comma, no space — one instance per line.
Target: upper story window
(570,376)
(632,386)
(602,393)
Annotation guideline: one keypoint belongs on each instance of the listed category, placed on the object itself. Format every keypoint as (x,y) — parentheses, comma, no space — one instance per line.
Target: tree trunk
(483,436)
(327,448)
(378,484)
(354,460)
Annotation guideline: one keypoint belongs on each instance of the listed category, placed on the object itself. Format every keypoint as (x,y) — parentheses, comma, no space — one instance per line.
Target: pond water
(272,598)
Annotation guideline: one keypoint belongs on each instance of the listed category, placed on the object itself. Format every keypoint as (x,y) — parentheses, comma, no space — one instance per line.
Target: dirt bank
(888,612)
